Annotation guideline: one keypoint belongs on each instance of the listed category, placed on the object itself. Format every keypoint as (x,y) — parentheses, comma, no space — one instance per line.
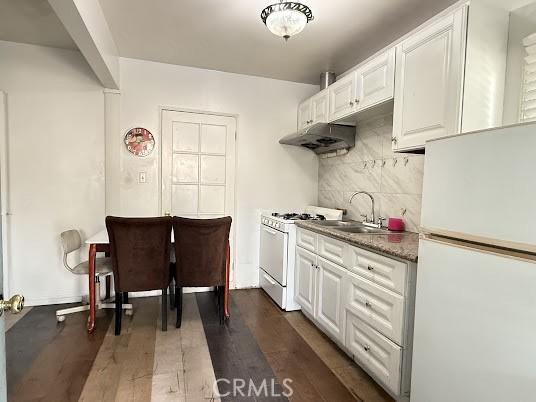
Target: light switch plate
(142,177)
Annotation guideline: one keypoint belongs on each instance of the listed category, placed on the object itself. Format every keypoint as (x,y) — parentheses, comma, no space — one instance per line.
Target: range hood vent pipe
(326,79)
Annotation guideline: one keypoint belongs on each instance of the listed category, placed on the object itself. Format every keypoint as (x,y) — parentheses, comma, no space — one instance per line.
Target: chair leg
(178,302)
(108,286)
(118,312)
(125,297)
(164,309)
(220,304)
(172,295)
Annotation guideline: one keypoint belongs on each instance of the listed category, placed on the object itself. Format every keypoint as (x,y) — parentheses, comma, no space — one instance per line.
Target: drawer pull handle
(368,304)
(370,268)
(367,348)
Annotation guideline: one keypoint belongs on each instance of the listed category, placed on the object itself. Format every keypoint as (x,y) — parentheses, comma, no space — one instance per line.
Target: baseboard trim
(45,301)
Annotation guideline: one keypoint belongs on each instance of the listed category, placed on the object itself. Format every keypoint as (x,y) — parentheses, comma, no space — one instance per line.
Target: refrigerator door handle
(484,248)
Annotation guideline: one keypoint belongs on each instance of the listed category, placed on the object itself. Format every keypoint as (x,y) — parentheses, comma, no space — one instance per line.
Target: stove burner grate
(299,217)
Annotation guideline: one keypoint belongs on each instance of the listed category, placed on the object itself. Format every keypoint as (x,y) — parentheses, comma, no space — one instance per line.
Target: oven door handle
(271,231)
(270,280)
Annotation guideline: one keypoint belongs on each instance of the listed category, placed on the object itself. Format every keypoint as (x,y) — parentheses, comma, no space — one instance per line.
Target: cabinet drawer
(374,352)
(331,249)
(381,309)
(390,274)
(306,239)
(277,292)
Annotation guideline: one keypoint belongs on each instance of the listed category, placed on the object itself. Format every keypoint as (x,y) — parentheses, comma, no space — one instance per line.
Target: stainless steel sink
(337,223)
(362,229)
(351,227)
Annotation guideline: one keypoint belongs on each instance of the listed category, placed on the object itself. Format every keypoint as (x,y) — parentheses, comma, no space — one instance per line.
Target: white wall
(56,164)
(269,175)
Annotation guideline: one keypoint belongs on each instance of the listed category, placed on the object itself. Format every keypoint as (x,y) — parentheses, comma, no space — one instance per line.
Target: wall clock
(139,141)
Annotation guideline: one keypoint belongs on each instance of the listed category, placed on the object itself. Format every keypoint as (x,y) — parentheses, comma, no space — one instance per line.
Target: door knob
(14,305)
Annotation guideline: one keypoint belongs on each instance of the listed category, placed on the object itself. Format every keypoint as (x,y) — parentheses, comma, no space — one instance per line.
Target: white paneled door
(3,237)
(198,165)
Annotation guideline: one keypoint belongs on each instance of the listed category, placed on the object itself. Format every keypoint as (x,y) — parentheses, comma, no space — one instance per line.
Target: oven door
(273,253)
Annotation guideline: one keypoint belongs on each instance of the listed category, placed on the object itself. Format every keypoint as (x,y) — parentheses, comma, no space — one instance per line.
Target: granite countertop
(404,245)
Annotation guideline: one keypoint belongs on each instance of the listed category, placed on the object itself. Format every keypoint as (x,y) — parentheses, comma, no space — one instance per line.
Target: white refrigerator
(475,313)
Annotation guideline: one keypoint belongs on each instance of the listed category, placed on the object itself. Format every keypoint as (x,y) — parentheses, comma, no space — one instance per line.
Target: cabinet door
(329,311)
(428,85)
(342,97)
(305,280)
(376,80)
(320,107)
(374,352)
(304,114)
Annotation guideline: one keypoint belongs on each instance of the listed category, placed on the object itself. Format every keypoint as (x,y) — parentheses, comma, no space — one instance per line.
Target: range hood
(322,137)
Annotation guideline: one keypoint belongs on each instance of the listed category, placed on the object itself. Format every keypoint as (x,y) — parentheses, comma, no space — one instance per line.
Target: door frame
(4,183)
(161,110)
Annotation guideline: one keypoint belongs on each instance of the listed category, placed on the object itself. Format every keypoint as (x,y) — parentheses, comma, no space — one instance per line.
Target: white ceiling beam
(85,22)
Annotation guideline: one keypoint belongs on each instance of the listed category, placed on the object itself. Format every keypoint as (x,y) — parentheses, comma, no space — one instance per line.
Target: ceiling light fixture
(287,18)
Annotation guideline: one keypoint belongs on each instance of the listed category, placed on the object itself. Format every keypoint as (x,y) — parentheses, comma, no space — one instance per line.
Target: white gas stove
(277,252)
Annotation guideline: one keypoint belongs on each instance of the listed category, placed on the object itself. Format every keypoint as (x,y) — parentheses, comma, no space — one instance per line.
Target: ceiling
(32,21)
(228,35)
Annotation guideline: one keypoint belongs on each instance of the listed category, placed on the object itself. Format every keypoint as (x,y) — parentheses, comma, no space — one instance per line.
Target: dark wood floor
(260,344)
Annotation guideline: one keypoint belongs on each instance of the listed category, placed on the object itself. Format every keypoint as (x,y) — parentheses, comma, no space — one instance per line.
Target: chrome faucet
(366,222)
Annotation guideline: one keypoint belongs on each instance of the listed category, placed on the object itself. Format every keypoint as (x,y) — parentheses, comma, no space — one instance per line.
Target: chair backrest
(201,250)
(70,241)
(139,249)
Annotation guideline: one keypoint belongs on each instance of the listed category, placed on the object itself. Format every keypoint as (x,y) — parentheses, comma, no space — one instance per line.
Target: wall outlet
(142,177)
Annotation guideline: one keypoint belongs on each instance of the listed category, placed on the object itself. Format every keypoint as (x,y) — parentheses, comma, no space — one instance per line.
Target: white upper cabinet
(342,97)
(375,80)
(429,82)
(304,114)
(369,85)
(314,110)
(320,107)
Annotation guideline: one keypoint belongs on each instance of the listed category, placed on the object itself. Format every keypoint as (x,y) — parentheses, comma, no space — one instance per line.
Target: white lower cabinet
(329,311)
(305,280)
(362,300)
(378,354)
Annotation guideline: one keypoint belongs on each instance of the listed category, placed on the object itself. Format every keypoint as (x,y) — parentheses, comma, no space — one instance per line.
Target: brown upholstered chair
(201,255)
(139,249)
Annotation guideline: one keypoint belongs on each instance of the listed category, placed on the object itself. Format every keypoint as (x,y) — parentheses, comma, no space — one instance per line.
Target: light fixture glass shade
(286,18)
(286,23)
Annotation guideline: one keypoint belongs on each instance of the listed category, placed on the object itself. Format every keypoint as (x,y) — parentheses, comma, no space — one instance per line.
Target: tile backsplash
(395,180)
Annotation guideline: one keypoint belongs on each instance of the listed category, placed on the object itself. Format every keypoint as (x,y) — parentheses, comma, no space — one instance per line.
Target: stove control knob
(276,225)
